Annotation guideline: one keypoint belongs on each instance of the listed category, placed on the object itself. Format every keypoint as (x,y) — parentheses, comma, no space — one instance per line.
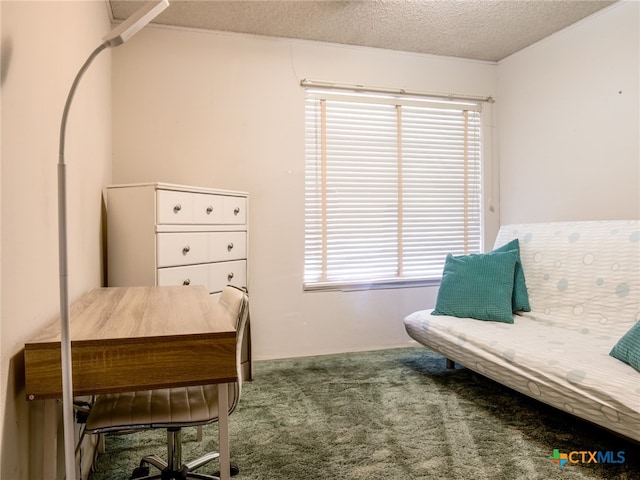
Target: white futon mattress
(563,368)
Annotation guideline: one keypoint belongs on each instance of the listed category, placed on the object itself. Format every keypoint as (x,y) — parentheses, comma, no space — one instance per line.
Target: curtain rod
(305,82)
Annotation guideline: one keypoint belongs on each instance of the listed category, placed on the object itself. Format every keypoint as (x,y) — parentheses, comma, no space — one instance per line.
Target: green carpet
(390,414)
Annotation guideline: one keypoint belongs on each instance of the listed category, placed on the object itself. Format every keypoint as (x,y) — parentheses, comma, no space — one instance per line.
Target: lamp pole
(116,37)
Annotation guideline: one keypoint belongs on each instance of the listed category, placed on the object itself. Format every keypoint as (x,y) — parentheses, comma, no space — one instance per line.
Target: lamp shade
(135,23)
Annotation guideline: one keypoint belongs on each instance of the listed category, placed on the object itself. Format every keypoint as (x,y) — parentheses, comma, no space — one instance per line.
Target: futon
(583,286)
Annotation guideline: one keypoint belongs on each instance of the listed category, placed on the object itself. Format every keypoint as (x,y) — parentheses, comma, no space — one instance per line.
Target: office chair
(173,408)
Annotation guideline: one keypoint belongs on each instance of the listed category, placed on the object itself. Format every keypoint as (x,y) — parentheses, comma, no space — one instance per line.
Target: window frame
(399,101)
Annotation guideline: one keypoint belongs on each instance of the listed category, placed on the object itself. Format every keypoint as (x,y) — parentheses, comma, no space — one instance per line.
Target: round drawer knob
(177,208)
(187,282)
(209,210)
(186,250)
(230,247)
(236,211)
(230,277)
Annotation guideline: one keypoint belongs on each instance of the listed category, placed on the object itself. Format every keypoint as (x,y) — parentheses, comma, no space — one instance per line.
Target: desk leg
(223,430)
(50,440)
(43,444)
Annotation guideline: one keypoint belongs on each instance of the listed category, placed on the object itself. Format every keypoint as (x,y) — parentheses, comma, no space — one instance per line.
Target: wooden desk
(138,338)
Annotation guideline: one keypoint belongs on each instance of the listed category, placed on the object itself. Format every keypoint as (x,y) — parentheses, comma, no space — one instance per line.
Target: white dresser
(164,234)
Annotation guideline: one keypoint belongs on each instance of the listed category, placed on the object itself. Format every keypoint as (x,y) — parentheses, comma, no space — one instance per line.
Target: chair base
(142,472)
(173,468)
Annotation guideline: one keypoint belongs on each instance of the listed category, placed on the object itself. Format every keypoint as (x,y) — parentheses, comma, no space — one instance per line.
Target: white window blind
(392,184)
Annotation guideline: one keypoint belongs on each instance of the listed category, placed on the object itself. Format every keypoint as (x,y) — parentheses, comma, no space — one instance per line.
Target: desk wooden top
(136,338)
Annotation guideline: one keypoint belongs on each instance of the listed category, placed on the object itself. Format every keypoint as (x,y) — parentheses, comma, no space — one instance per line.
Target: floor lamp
(117,36)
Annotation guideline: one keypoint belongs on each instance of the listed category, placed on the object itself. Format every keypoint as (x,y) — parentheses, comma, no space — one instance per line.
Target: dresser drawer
(227,273)
(234,210)
(207,209)
(174,249)
(227,246)
(189,248)
(188,208)
(174,207)
(190,275)
(214,276)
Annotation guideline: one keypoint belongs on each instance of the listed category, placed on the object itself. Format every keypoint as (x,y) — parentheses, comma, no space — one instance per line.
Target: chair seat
(162,408)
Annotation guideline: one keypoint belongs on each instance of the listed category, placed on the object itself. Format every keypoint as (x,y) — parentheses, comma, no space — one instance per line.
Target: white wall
(43,46)
(568,110)
(223,110)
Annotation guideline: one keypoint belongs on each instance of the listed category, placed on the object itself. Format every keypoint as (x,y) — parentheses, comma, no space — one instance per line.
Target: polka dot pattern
(576,376)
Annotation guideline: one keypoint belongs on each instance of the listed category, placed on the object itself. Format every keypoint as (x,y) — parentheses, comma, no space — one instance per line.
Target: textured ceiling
(476,29)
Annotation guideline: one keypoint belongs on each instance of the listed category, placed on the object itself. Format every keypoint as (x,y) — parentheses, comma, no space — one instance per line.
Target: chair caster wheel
(234,469)
(140,472)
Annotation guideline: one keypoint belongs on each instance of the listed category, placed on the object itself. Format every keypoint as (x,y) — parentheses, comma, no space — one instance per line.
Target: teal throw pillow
(478,286)
(520,297)
(628,347)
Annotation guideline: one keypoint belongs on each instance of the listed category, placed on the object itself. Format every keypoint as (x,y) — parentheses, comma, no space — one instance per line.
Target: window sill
(375,285)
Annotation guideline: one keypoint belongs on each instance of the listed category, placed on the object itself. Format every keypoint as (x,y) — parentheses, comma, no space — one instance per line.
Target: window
(392,184)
